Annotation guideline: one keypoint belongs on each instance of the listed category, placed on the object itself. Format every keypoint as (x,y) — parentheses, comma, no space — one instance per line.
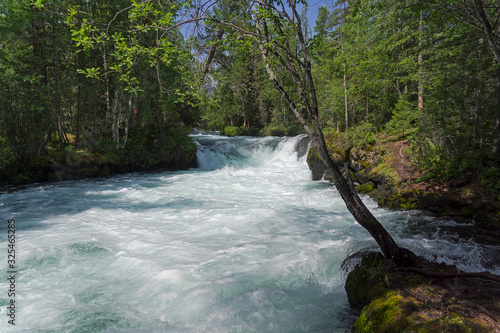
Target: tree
(484,16)
(275,50)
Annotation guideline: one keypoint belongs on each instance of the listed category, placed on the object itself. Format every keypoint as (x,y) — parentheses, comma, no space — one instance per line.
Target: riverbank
(74,164)
(428,297)
(384,170)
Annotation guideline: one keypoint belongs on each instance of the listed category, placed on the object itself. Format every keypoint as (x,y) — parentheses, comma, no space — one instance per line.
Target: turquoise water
(245,243)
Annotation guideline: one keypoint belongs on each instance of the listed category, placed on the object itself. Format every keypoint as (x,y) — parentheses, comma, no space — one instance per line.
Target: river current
(244,243)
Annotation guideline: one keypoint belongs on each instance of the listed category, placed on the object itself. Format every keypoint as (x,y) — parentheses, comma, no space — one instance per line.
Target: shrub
(361,135)
(490,179)
(282,129)
(7,159)
(231,130)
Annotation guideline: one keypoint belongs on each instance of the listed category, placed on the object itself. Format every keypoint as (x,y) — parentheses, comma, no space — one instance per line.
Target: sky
(312,14)
(313,9)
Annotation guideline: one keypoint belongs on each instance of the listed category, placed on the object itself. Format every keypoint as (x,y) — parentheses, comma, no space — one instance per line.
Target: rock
(365,282)
(302,146)
(315,164)
(406,300)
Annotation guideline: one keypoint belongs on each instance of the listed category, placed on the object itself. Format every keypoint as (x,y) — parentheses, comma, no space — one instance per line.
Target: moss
(22,178)
(385,314)
(365,188)
(451,322)
(94,171)
(394,312)
(368,280)
(395,301)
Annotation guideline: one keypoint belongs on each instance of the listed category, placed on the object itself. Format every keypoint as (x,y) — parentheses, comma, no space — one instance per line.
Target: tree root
(483,275)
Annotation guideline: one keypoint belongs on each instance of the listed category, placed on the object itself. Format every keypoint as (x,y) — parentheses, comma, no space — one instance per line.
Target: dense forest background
(93,83)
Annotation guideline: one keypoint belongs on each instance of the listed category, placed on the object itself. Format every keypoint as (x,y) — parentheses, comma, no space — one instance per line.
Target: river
(245,243)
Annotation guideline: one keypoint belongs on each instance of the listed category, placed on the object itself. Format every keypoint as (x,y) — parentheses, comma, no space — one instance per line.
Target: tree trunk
(115,122)
(358,209)
(37,46)
(345,100)
(346,106)
(496,126)
(420,61)
(126,120)
(311,124)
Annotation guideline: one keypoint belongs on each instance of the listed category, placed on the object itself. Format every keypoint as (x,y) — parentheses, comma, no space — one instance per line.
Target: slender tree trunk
(496,126)
(354,108)
(493,39)
(311,124)
(420,61)
(37,46)
(126,120)
(346,105)
(206,68)
(106,80)
(398,89)
(115,113)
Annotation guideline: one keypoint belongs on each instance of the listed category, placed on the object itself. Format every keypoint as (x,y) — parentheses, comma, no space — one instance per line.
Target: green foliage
(441,161)
(232,130)
(490,179)
(404,121)
(7,159)
(361,135)
(282,129)
(426,177)
(238,131)
(137,156)
(138,80)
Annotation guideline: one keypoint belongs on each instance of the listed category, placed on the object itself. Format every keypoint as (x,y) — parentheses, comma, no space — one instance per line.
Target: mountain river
(244,243)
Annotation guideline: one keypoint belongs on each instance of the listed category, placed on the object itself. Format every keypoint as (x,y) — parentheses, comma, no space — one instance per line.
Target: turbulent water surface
(245,243)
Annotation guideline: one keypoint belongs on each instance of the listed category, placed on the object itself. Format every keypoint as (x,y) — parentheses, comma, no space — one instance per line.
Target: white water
(246,243)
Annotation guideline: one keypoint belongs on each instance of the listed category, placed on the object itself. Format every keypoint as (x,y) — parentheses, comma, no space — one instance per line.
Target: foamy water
(245,243)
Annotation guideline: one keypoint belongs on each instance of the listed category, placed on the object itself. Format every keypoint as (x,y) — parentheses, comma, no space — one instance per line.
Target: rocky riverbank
(73,165)
(384,171)
(428,297)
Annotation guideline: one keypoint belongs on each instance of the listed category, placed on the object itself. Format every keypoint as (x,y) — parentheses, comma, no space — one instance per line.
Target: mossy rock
(366,187)
(366,281)
(398,300)
(399,312)
(315,164)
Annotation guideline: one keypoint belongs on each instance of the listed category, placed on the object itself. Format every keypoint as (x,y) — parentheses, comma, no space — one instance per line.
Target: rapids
(245,243)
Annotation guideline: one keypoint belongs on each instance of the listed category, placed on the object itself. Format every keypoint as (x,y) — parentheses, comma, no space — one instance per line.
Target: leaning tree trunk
(308,116)
(358,209)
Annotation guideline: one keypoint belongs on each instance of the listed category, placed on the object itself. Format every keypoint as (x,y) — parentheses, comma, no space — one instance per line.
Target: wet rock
(302,146)
(315,164)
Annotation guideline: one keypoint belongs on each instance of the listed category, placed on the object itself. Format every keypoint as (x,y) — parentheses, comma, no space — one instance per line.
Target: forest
(93,88)
(122,83)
